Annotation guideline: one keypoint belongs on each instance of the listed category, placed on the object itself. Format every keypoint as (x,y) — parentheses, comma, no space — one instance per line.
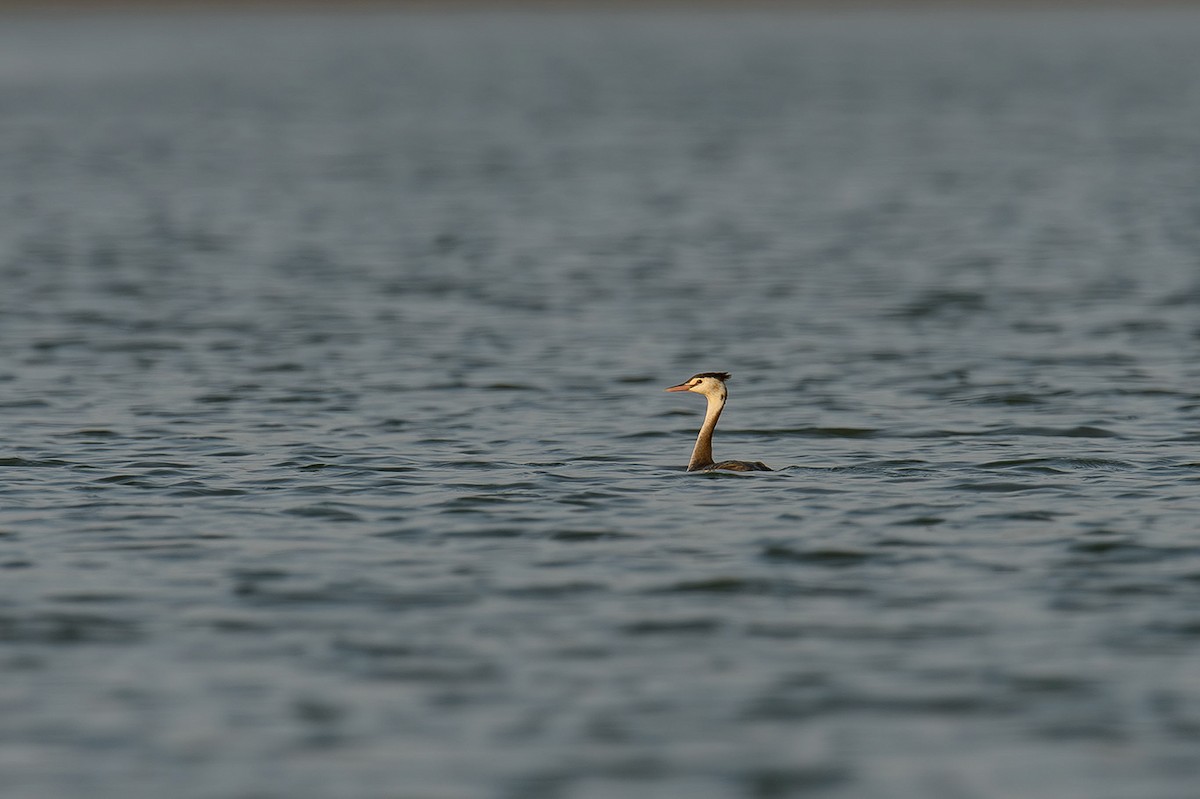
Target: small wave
(812,432)
(936,303)
(817,556)
(350,593)
(1057,465)
(206,491)
(1008,398)
(159,465)
(685,626)
(511,387)
(324,511)
(1124,550)
(999,487)
(1079,431)
(34,462)
(68,628)
(91,597)
(915,521)
(729,585)
(139,345)
(1025,515)
(589,535)
(125,479)
(554,590)
(24,403)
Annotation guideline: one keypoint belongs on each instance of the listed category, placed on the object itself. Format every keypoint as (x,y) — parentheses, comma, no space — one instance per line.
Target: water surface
(336,460)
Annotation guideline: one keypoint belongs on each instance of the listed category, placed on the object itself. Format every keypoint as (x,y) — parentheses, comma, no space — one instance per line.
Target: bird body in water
(711,385)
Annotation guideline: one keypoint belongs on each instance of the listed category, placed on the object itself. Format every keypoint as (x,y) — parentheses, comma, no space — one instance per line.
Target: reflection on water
(336,460)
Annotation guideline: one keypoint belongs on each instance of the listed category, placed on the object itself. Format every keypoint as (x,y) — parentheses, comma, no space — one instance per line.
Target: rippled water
(336,460)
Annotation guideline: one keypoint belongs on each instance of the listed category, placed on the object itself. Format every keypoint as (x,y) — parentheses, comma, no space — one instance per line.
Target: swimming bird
(712,386)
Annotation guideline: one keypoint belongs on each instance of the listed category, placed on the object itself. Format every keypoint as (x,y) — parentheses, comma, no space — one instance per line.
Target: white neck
(702,452)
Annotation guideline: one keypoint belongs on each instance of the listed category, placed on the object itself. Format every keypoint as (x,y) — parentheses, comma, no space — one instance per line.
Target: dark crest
(722,376)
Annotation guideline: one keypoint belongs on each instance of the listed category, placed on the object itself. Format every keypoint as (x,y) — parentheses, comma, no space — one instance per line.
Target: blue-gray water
(336,461)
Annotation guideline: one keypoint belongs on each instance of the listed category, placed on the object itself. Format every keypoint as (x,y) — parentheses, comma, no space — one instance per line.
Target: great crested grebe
(712,386)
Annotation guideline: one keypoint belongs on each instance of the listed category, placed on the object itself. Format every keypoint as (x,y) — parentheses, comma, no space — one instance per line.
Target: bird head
(710,384)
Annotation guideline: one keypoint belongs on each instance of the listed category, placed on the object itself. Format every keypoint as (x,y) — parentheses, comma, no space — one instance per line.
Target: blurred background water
(335,456)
